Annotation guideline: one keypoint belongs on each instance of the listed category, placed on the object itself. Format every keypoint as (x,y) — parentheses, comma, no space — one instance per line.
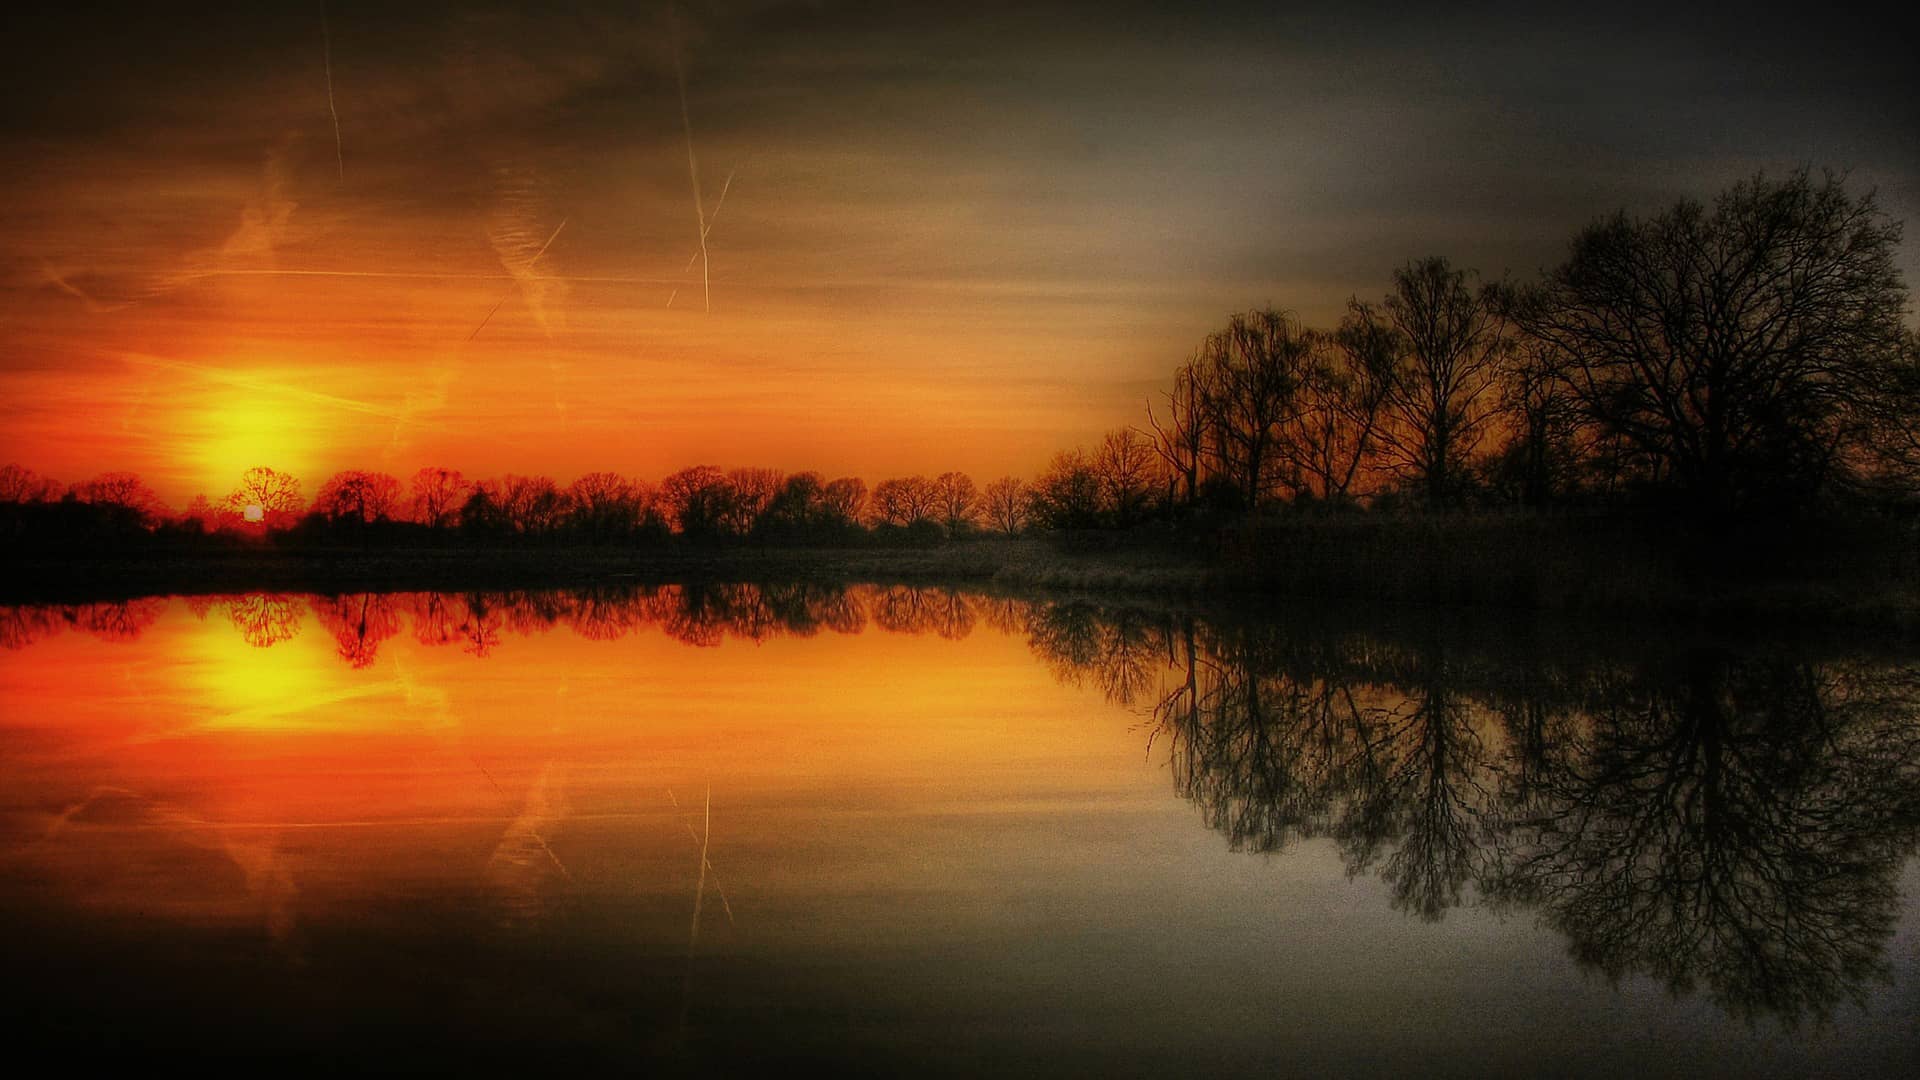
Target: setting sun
(254,512)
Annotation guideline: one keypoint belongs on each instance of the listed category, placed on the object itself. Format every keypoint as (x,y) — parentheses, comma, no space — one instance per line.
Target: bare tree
(958,502)
(1067,494)
(1006,504)
(1441,403)
(533,505)
(122,493)
(436,496)
(1744,350)
(1125,467)
(604,506)
(845,500)
(797,507)
(358,495)
(1261,360)
(266,496)
(698,501)
(1342,400)
(1543,455)
(904,501)
(1180,437)
(19,484)
(753,492)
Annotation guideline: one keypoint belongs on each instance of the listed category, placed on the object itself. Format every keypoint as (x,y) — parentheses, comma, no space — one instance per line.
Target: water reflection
(1733,823)
(1726,822)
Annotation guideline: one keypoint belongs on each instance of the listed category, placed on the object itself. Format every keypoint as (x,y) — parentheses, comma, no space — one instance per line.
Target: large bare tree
(1443,397)
(437,493)
(1259,362)
(1749,351)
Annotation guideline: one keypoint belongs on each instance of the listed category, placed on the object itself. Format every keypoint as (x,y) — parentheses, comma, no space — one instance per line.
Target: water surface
(922,829)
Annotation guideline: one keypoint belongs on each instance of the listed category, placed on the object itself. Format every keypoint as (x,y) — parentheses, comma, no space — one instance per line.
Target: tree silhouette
(117,620)
(22,625)
(1182,436)
(19,484)
(123,498)
(534,506)
(1343,401)
(1732,822)
(1422,787)
(699,501)
(435,494)
(1005,505)
(845,501)
(1125,464)
(1067,495)
(606,506)
(359,624)
(1441,402)
(905,501)
(1260,362)
(1746,351)
(957,501)
(266,619)
(753,493)
(358,496)
(275,494)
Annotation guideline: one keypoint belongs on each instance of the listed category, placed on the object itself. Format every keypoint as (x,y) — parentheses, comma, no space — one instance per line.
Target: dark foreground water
(896,830)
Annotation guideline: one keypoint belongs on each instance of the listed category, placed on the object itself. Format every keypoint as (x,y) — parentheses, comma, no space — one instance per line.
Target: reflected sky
(735,824)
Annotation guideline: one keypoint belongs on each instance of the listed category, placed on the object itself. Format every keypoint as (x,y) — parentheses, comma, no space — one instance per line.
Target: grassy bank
(1868,577)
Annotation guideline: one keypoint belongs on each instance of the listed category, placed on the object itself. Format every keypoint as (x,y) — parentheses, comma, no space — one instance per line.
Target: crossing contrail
(706,228)
(517,278)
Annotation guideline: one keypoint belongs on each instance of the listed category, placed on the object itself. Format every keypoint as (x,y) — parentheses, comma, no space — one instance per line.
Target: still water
(893,829)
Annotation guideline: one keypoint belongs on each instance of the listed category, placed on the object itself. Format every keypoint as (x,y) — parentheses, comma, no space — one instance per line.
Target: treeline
(1752,358)
(1746,362)
(700,504)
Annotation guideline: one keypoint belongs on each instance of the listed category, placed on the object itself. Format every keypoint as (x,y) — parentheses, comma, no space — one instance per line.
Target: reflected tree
(359,623)
(265,619)
(1730,823)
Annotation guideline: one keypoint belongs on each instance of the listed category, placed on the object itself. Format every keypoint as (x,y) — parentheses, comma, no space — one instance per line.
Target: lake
(733,827)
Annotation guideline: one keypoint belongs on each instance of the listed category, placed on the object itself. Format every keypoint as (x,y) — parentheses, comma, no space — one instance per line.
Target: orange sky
(946,243)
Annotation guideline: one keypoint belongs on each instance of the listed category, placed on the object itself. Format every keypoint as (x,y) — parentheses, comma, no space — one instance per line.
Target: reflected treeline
(478,622)
(1725,822)
(1722,822)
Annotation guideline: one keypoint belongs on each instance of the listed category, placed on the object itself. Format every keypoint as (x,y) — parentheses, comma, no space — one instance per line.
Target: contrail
(725,906)
(693,165)
(326,38)
(700,894)
(59,281)
(705,229)
(516,283)
(438,275)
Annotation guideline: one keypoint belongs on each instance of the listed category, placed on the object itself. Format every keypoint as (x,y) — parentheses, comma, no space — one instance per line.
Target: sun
(254,513)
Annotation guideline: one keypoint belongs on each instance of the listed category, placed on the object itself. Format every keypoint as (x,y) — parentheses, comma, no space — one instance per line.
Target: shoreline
(1346,576)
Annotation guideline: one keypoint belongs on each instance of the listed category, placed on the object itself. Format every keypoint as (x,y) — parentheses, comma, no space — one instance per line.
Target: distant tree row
(702,503)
